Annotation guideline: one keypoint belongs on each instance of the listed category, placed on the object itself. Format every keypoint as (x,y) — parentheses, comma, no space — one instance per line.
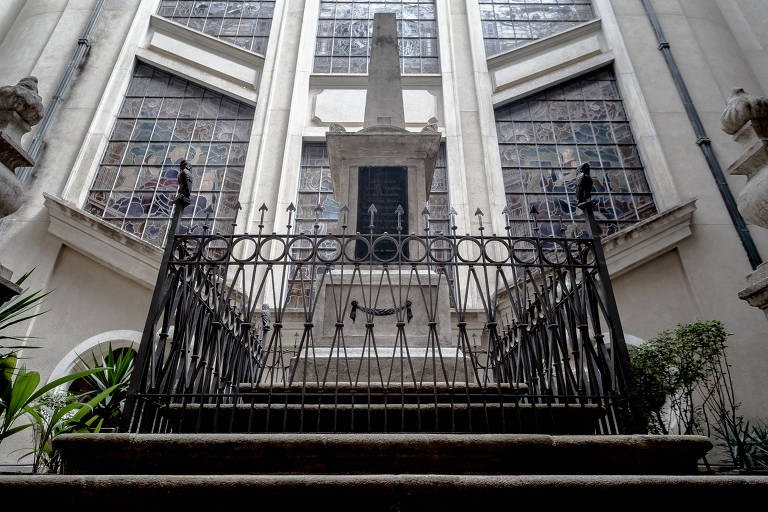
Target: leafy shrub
(684,382)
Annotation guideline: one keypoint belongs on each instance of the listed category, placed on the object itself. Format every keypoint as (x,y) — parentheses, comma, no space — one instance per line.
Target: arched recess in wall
(98,345)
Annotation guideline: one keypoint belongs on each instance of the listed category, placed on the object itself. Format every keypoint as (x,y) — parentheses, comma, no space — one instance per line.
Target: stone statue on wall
(21,108)
(23,99)
(746,118)
(742,108)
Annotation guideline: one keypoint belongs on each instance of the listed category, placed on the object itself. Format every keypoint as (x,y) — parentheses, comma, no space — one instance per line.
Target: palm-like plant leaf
(20,309)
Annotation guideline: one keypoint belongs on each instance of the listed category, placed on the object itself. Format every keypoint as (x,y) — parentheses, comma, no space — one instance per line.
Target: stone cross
(384,100)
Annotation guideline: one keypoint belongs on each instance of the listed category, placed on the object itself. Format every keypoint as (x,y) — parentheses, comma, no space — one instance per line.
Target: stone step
(374,493)
(419,366)
(459,416)
(372,392)
(361,454)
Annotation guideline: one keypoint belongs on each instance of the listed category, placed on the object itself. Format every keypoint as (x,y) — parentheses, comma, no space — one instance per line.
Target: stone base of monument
(383,365)
(384,327)
(383,297)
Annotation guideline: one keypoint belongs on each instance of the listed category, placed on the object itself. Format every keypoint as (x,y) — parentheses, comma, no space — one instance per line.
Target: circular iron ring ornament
(469,240)
(517,250)
(244,240)
(336,249)
(449,249)
(294,252)
(353,241)
(207,248)
(561,255)
(406,242)
(579,251)
(501,241)
(382,239)
(265,243)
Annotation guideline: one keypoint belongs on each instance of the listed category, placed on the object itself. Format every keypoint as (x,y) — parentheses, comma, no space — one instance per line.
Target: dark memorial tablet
(386,188)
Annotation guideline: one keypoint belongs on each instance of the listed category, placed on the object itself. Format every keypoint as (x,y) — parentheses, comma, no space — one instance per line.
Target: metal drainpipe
(704,143)
(83,45)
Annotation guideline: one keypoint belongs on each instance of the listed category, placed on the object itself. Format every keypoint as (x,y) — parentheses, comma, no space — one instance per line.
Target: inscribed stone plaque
(386,188)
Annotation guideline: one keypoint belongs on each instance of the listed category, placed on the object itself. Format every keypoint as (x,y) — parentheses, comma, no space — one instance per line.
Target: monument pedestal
(401,330)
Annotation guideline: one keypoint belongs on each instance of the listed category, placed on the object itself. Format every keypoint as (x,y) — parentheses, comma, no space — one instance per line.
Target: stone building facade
(522,92)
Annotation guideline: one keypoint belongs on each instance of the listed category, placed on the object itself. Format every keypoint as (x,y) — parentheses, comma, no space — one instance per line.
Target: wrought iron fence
(385,335)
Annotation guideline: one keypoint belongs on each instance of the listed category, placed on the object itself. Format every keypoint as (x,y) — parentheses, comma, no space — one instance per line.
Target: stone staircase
(375,472)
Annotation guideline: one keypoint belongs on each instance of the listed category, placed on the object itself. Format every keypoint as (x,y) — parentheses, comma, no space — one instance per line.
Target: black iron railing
(384,340)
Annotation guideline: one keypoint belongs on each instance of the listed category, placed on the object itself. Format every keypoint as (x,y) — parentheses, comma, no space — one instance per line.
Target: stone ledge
(756,292)
(648,239)
(545,43)
(380,453)
(546,62)
(360,80)
(104,243)
(13,155)
(204,40)
(230,62)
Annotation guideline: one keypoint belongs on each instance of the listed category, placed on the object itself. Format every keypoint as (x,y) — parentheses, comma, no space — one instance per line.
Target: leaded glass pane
(137,179)
(545,137)
(508,24)
(344,32)
(245,23)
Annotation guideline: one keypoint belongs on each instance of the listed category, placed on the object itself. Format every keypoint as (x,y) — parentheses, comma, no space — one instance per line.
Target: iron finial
(372,211)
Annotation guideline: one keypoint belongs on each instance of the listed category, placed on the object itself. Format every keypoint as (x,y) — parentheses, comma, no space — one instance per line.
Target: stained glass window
(344,35)
(163,120)
(543,138)
(245,23)
(316,188)
(508,24)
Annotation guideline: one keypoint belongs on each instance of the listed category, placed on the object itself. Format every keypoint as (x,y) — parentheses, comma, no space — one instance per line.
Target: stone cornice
(361,80)
(115,249)
(205,41)
(545,43)
(648,239)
